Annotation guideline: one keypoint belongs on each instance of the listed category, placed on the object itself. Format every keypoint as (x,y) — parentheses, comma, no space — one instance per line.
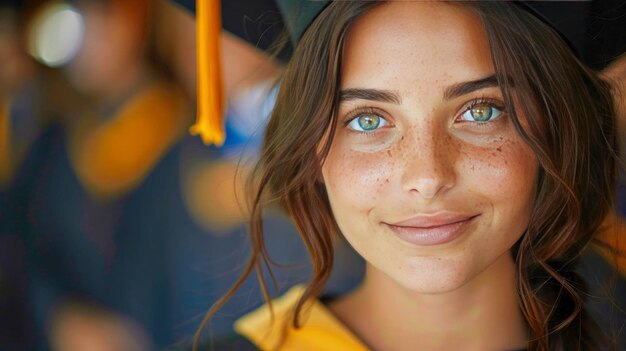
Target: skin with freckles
(424,145)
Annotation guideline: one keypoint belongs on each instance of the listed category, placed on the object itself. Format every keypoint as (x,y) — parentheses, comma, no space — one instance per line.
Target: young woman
(467,156)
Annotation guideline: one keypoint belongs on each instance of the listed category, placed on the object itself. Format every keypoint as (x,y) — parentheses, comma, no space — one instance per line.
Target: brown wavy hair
(571,129)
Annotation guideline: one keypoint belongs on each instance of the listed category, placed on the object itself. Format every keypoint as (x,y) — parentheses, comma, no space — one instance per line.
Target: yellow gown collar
(111,158)
(320,330)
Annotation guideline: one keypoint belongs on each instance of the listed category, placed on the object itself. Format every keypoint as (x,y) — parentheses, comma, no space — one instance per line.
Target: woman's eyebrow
(370,94)
(464,88)
(392,96)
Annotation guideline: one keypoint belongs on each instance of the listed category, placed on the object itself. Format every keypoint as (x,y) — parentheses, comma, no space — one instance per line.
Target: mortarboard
(569,18)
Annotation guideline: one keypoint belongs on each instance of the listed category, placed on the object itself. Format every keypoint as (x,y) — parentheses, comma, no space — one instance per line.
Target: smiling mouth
(427,232)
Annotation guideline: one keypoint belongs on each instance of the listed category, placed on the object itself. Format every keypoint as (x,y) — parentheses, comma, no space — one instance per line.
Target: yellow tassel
(209,123)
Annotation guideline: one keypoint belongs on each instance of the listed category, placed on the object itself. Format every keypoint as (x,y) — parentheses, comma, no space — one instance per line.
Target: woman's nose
(428,164)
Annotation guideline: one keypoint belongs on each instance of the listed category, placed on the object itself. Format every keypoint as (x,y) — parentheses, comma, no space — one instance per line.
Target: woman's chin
(436,275)
(430,276)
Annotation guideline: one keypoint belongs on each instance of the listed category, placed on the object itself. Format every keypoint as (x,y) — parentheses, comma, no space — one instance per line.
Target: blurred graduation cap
(571,19)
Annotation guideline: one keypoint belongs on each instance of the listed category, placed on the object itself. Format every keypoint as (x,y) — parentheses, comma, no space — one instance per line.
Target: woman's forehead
(427,41)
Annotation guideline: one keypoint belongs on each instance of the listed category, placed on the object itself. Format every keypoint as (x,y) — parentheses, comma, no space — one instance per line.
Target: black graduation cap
(570,19)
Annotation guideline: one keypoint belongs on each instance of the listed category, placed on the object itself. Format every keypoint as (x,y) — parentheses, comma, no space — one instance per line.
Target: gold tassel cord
(209,123)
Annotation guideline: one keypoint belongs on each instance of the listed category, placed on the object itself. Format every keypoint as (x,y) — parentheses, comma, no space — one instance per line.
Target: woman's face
(427,177)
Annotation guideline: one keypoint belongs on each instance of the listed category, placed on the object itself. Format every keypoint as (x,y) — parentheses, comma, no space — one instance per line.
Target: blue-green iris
(482,112)
(368,122)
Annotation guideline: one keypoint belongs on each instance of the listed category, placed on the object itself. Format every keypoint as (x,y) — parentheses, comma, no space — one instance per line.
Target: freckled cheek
(504,171)
(357,178)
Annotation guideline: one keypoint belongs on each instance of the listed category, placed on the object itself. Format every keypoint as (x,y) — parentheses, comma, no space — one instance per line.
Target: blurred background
(118,229)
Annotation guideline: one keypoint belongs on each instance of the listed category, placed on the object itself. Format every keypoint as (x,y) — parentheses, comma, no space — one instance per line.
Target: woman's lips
(429,230)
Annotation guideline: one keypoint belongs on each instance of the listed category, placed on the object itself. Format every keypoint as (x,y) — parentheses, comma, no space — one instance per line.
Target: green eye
(367,122)
(481,112)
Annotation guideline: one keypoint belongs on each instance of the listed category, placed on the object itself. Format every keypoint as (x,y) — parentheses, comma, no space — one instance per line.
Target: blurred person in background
(119,208)
(30,107)
(16,70)
(81,247)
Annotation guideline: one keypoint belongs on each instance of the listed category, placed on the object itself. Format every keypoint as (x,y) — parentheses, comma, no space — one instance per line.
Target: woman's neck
(483,314)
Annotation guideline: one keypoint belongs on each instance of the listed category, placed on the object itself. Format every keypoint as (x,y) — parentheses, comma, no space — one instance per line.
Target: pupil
(481,113)
(368,122)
